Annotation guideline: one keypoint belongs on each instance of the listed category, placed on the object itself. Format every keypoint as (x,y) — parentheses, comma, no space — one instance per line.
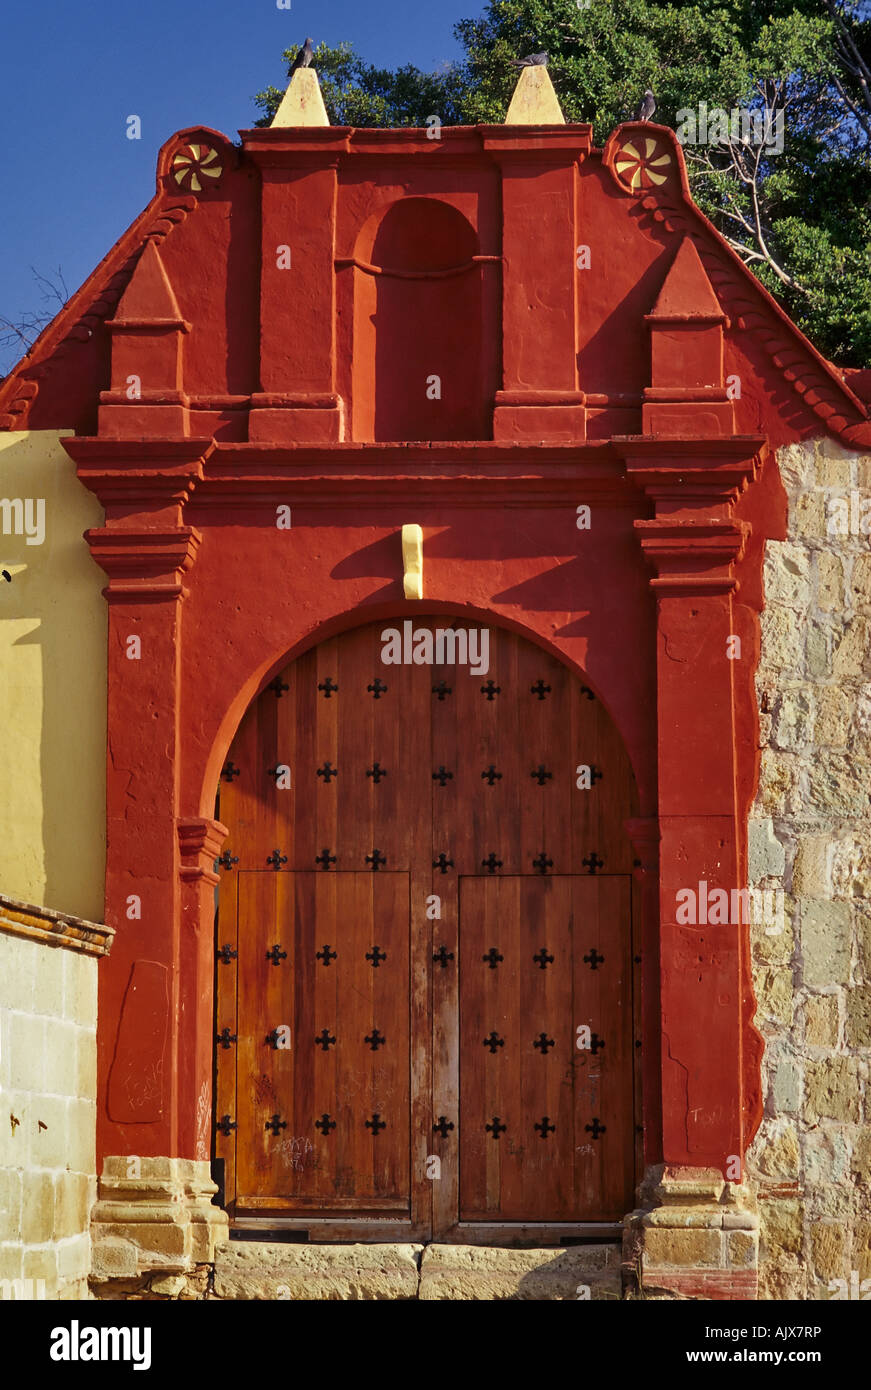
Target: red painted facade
(264,336)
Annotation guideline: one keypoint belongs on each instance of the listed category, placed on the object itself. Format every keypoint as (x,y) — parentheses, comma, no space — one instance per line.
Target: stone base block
(539,422)
(154,1214)
(693,1236)
(584,1272)
(257,1270)
(301,424)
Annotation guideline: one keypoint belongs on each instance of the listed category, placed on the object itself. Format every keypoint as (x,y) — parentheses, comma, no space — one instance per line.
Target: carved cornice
(200,841)
(692,557)
(144,564)
(562,144)
(136,475)
(689,473)
(43,924)
(372,474)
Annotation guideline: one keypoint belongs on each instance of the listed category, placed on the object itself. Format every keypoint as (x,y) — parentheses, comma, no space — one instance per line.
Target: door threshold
(274,1264)
(379,1231)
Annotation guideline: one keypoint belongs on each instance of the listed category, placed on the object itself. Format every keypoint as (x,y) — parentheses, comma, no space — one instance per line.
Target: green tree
(800,218)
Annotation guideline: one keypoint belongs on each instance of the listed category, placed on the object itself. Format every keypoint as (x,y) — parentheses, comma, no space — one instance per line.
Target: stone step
(263,1270)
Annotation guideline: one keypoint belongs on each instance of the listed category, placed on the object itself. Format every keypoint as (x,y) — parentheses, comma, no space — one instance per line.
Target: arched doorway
(425,1002)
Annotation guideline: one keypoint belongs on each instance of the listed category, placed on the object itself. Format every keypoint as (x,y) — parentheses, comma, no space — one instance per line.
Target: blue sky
(73,72)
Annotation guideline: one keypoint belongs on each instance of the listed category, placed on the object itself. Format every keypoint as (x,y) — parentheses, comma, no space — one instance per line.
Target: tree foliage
(800,218)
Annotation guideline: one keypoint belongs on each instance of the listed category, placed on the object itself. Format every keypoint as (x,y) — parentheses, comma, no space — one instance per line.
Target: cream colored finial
(535,101)
(302,103)
(412,561)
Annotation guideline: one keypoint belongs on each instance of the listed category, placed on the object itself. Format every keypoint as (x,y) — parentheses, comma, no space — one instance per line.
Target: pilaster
(693,544)
(540,399)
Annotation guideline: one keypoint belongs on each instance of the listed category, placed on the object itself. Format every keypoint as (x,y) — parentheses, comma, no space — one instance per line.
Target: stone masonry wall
(48,1011)
(810,835)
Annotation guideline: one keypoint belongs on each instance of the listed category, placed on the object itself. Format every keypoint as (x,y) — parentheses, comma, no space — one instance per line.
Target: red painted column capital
(140,482)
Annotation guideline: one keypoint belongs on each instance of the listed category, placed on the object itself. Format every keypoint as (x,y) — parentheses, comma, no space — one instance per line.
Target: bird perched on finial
(647,107)
(532,60)
(304,57)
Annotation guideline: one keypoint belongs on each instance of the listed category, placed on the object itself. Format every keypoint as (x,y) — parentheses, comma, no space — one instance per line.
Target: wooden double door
(424,1001)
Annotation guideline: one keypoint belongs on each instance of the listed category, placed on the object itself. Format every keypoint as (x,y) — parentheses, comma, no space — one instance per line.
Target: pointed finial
(302,103)
(535,101)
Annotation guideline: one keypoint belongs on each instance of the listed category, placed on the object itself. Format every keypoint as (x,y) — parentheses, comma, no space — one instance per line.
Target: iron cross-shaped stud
(375,1040)
(545,1128)
(325,1124)
(595,774)
(542,863)
(443,862)
(328,687)
(441,690)
(226,860)
(377,689)
(376,956)
(496,1128)
(376,859)
(494,1041)
(230,770)
(491,863)
(275,1124)
(443,955)
(493,958)
(324,1039)
(272,1039)
(276,859)
(276,955)
(593,862)
(326,955)
(225,1125)
(225,1038)
(443,1127)
(491,690)
(328,772)
(541,774)
(490,775)
(226,954)
(325,859)
(595,1128)
(543,1042)
(376,1124)
(593,959)
(442,776)
(376,772)
(278,686)
(539,689)
(543,958)
(595,1043)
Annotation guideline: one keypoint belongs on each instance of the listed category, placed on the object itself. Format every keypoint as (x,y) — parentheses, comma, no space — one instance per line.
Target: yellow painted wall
(52,687)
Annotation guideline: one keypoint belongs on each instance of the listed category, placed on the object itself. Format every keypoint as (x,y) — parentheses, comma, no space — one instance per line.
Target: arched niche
(418,317)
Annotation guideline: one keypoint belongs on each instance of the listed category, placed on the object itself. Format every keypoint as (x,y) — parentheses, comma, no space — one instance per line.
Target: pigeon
(532,60)
(647,107)
(304,57)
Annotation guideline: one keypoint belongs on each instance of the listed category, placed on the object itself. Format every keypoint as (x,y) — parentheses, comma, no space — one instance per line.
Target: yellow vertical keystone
(412,561)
